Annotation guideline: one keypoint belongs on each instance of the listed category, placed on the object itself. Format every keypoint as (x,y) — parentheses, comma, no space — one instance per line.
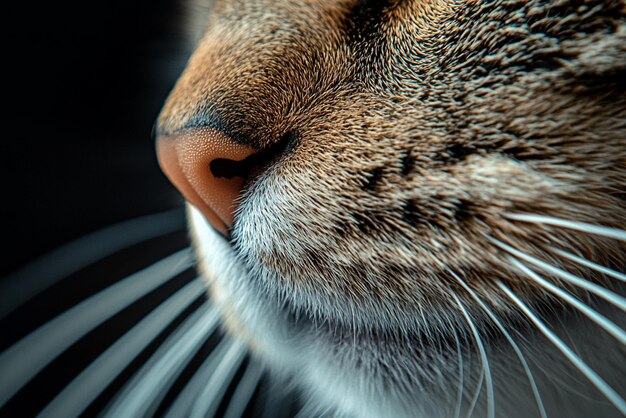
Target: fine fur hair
(428,156)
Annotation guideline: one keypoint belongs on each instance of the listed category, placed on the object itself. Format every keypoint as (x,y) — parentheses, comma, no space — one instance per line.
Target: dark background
(85,82)
(82,87)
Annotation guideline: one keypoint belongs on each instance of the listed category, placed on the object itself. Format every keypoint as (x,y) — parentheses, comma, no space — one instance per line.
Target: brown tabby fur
(409,130)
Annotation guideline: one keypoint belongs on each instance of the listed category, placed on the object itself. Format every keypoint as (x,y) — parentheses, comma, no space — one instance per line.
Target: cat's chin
(326,358)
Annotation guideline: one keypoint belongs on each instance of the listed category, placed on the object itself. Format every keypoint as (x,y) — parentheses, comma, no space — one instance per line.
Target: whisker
(42,273)
(23,360)
(596,317)
(512,342)
(611,297)
(604,231)
(209,399)
(597,267)
(483,355)
(142,393)
(245,390)
(587,371)
(95,378)
(476,395)
(459,353)
(184,400)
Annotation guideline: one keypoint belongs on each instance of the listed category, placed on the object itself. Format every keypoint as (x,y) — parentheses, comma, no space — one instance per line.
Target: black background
(83,85)
(84,82)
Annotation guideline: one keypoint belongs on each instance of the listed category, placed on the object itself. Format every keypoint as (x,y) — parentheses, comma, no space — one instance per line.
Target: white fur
(329,375)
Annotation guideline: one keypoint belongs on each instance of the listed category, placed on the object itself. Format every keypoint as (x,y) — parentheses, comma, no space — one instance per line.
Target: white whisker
(42,273)
(209,399)
(587,371)
(244,392)
(604,231)
(476,395)
(512,342)
(142,393)
(596,317)
(459,353)
(611,297)
(23,360)
(597,267)
(184,401)
(483,355)
(95,378)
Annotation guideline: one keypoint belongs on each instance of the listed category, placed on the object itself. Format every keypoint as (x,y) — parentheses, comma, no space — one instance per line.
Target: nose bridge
(255,90)
(186,159)
(190,104)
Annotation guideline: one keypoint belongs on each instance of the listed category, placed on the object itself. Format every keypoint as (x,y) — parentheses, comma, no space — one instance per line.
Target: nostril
(255,163)
(261,161)
(185,159)
(225,168)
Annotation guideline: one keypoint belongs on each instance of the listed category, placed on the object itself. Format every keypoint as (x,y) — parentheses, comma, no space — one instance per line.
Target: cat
(413,208)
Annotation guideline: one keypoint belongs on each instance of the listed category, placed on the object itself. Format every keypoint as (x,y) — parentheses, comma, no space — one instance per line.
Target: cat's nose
(209,169)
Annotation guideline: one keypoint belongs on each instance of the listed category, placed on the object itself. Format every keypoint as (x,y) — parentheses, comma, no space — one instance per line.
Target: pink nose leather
(186,159)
